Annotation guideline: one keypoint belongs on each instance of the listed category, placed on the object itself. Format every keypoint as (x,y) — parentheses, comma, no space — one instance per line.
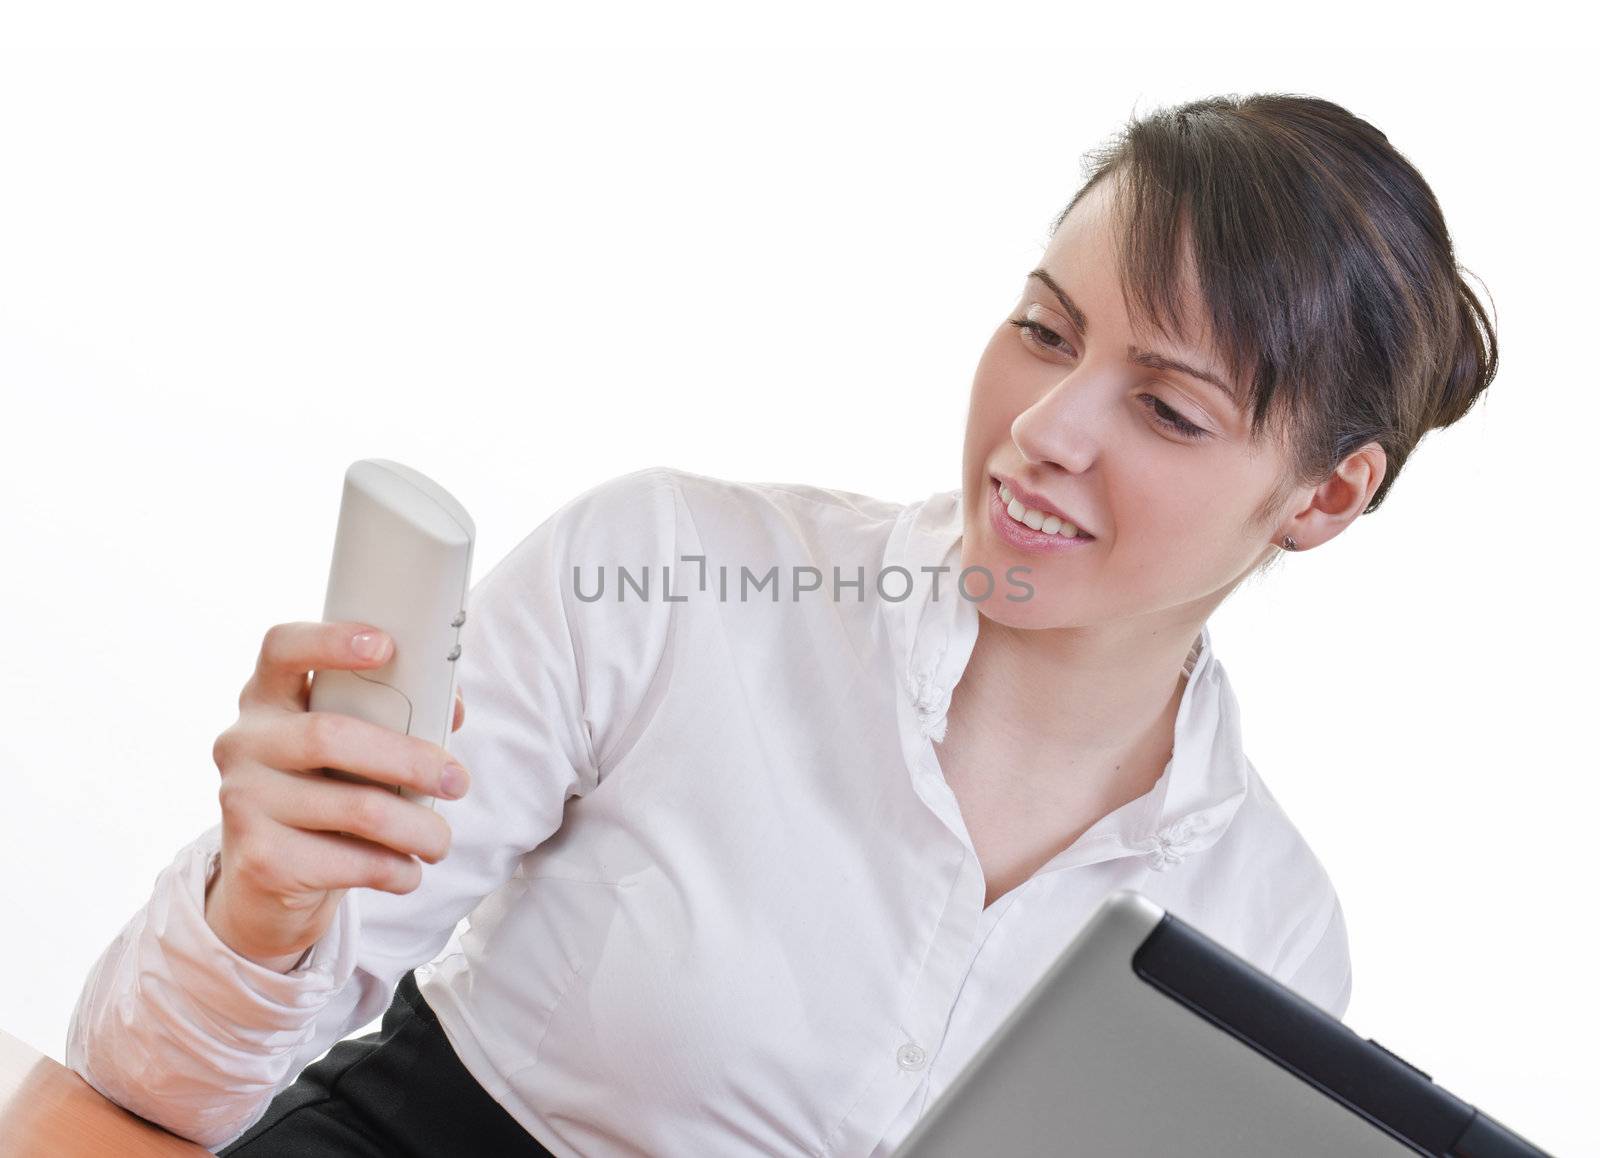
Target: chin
(1028,615)
(1028,605)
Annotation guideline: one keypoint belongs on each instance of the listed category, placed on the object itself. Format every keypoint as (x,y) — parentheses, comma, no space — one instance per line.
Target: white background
(527,248)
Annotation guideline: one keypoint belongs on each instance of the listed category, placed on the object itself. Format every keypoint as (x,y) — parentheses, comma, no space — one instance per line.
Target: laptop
(1146,1038)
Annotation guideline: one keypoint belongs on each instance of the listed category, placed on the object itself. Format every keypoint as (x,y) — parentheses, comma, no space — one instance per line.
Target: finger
(315,803)
(310,741)
(318,861)
(461,712)
(290,651)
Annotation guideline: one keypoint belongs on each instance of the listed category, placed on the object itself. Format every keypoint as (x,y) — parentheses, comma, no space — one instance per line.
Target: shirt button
(911,1057)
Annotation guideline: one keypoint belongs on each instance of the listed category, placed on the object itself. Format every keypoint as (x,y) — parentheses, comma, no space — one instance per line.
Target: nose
(1052,431)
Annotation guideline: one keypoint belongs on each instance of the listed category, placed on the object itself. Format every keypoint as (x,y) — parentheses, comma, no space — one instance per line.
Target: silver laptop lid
(1145,1038)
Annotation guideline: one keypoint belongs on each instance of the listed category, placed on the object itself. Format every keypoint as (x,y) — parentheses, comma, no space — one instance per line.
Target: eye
(1033,332)
(1169,417)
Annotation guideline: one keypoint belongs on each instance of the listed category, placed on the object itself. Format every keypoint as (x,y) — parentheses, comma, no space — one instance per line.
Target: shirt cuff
(242,997)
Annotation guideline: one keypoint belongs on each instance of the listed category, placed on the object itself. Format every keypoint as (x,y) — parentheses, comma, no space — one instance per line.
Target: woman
(758,856)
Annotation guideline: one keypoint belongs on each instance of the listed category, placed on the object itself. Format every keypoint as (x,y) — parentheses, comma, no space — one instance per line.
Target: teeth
(1037,520)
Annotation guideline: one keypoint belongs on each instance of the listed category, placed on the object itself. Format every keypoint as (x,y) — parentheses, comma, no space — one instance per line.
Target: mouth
(1031,512)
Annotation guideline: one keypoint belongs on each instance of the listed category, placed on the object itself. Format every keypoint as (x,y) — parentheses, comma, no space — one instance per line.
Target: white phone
(402,562)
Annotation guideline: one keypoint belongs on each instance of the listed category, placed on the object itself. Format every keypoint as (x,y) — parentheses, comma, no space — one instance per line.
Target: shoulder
(638,499)
(651,516)
(628,519)
(773,521)
(664,515)
(1286,882)
(707,491)
(1273,861)
(764,497)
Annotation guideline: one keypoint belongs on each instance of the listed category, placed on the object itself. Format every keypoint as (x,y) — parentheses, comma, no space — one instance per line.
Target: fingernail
(454,781)
(368,645)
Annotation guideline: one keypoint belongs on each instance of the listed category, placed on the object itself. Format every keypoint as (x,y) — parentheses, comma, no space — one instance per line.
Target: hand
(293,839)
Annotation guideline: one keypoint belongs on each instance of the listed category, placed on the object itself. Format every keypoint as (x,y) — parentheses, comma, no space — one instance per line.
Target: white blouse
(722,900)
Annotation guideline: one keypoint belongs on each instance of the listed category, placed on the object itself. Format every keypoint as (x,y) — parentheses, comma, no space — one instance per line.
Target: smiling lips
(1034,514)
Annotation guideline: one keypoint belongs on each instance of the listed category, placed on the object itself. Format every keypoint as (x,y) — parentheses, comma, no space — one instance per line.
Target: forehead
(1086,257)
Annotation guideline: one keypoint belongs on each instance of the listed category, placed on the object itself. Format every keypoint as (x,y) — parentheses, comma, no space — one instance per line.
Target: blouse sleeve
(176,1027)
(1322,975)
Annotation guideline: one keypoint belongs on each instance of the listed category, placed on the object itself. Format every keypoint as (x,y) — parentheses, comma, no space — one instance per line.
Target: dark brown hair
(1330,280)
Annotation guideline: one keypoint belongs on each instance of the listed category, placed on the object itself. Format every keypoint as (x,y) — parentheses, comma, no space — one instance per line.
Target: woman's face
(1060,409)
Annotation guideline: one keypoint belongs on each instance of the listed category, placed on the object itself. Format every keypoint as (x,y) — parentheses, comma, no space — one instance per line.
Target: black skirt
(398,1092)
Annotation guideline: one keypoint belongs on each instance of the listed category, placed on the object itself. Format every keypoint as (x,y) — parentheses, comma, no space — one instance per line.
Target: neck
(1078,709)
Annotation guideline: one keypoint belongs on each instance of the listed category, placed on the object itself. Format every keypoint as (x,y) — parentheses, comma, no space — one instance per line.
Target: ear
(1339,501)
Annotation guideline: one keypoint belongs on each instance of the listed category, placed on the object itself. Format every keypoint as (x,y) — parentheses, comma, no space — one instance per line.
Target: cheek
(1157,492)
(1000,390)
(987,416)
(1181,513)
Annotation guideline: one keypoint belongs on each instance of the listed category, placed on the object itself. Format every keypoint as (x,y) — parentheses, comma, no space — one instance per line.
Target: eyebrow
(1147,358)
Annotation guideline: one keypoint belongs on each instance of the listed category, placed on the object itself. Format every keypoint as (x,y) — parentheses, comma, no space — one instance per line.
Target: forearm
(176,1027)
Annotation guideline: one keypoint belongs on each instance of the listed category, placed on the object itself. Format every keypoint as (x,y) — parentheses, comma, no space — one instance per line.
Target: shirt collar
(1201,788)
